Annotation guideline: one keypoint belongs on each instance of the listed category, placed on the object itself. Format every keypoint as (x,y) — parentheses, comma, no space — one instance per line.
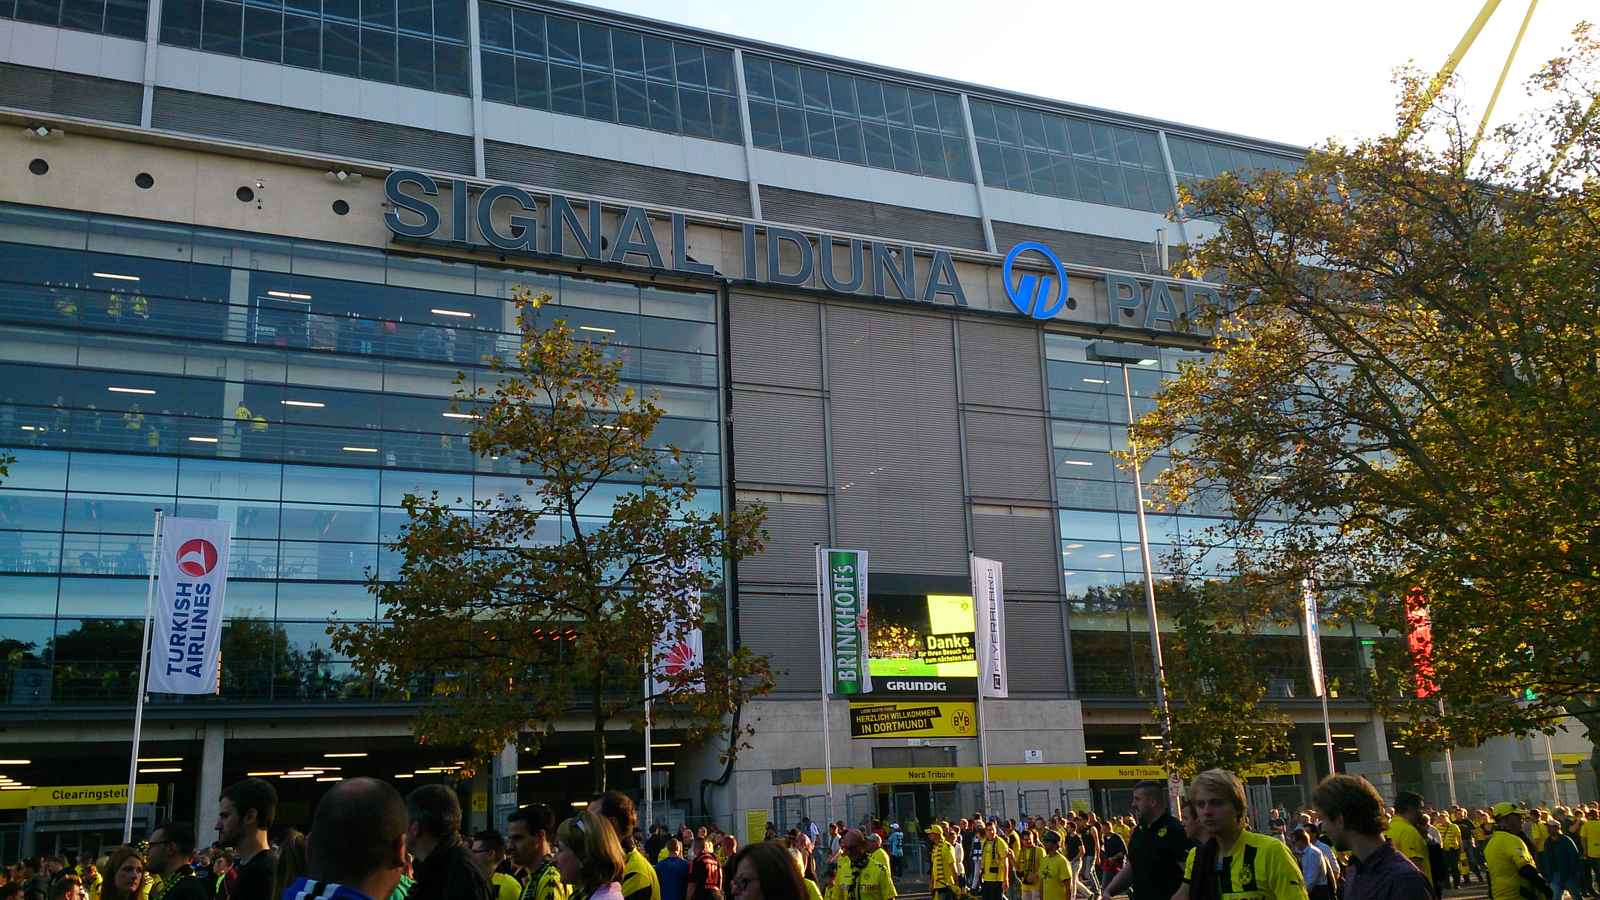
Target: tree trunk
(598,762)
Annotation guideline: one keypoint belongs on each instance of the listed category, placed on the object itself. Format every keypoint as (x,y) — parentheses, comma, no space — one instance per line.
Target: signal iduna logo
(197,557)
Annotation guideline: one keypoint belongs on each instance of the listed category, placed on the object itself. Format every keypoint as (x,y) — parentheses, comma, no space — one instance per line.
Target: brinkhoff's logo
(197,557)
(917,686)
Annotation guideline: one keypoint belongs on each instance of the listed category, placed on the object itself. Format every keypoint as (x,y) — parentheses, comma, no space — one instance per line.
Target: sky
(1295,71)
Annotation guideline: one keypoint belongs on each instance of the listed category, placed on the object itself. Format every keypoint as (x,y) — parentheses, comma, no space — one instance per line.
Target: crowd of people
(367,842)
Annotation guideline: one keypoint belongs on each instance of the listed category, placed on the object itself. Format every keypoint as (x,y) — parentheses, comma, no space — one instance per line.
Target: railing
(1135,682)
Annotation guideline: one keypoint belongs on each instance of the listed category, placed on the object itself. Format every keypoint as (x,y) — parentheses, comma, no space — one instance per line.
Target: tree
(509,614)
(1405,395)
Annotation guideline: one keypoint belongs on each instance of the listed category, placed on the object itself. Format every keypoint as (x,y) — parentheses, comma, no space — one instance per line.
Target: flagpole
(1319,677)
(822,658)
(983,671)
(649,764)
(144,668)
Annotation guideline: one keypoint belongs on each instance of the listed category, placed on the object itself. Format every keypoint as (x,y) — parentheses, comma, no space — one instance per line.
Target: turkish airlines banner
(192,576)
(672,656)
(989,605)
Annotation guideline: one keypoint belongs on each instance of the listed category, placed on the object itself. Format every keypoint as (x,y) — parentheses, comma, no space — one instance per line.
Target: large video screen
(921,644)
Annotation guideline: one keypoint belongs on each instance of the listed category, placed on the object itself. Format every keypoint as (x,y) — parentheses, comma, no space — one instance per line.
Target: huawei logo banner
(191,581)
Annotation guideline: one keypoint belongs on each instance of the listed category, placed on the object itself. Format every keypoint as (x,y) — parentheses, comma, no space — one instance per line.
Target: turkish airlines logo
(197,557)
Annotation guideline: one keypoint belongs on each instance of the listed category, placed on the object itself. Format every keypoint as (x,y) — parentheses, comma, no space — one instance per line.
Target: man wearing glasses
(171,846)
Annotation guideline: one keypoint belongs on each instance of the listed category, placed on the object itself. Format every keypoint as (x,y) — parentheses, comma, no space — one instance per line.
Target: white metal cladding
(609,178)
(839,214)
(1000,365)
(1075,247)
(775,342)
(783,628)
(1025,544)
(896,446)
(789,560)
(64,93)
(778,438)
(1006,457)
(299,129)
(1035,649)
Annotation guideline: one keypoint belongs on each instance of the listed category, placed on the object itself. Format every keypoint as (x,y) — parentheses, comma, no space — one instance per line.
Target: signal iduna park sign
(509,220)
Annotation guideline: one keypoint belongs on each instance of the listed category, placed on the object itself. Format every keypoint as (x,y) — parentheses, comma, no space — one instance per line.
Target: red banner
(1419,637)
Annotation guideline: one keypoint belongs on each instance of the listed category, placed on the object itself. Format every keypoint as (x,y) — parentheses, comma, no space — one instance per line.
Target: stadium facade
(247,247)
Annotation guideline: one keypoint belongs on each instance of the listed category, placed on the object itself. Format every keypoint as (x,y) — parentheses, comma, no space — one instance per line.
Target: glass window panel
(983,127)
(849,135)
(1127,146)
(1016,168)
(378,13)
(923,113)
(627,51)
(1055,134)
(1007,131)
(1061,177)
(302,42)
(1160,192)
(125,18)
(263,34)
(1138,189)
(327,522)
(494,26)
(416,62)
(955,158)
(595,42)
(691,64)
(377,54)
(1082,140)
(528,34)
(180,23)
(696,112)
(341,48)
(321,602)
(222,27)
(719,71)
(1087,176)
(1179,148)
(1089,525)
(725,118)
(879,151)
(450,20)
(814,85)
(1104,142)
(758,77)
(343,10)
(785,83)
(566,85)
(103,473)
(330,485)
(43,12)
(691,305)
(869,92)
(819,127)
(1032,129)
(597,100)
(842,91)
(533,83)
(1111,183)
(86,15)
(764,125)
(563,38)
(633,103)
(1149,150)
(100,597)
(30,510)
(658,58)
(949,107)
(416,16)
(42,469)
(450,68)
(499,77)
(663,107)
(1040,178)
(930,147)
(903,141)
(792,129)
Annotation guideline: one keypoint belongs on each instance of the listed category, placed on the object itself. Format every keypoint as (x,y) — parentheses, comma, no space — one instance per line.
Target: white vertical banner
(190,586)
(989,605)
(1313,641)
(674,654)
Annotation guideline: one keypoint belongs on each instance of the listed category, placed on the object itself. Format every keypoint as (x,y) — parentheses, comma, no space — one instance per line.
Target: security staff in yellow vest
(995,864)
(1405,832)
(1450,842)
(1512,875)
(942,876)
(880,857)
(863,878)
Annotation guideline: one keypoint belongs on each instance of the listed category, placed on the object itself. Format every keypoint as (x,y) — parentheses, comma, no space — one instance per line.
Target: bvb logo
(1031,294)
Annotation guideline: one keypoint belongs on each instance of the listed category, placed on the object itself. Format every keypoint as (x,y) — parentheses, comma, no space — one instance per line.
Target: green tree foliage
(1408,397)
(526,607)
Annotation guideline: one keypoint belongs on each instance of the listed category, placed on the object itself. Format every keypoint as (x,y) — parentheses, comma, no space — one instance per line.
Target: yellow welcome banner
(77,795)
(915,774)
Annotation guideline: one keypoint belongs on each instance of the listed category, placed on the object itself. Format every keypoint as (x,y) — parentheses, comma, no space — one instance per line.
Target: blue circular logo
(1030,293)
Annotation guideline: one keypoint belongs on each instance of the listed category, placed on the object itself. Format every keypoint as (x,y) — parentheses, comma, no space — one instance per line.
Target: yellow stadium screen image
(922,643)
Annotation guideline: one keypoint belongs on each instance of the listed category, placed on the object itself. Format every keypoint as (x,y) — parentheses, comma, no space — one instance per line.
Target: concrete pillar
(479,790)
(503,790)
(1373,741)
(208,802)
(1312,760)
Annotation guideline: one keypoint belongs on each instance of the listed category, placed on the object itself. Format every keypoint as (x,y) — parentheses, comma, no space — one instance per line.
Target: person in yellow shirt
(1030,859)
(880,857)
(996,862)
(1405,831)
(1450,842)
(528,834)
(867,878)
(942,874)
(489,851)
(1055,873)
(1248,866)
(1589,843)
(1512,875)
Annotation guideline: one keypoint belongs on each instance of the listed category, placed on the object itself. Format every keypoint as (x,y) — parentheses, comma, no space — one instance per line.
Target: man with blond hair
(1246,864)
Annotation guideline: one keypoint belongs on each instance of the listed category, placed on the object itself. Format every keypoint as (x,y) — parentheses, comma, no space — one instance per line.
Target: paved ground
(917,889)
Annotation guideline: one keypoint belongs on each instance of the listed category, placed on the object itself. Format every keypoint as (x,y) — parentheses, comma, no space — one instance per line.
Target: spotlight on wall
(38,132)
(340,175)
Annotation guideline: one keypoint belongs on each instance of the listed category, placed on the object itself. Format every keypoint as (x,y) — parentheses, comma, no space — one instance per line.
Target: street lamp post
(1122,355)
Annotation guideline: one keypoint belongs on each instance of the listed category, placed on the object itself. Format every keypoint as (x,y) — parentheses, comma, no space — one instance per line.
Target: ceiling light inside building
(289,295)
(597,329)
(129,390)
(116,277)
(159,771)
(453,313)
(343,755)
(308,404)
(1076,462)
(360,449)
(200,439)
(263,774)
(160,759)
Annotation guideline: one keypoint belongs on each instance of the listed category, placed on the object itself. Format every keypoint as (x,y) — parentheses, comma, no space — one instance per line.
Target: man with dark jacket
(171,846)
(445,870)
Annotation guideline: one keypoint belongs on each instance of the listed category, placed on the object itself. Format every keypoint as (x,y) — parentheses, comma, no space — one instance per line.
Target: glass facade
(297,390)
(414,43)
(855,119)
(119,18)
(1102,569)
(1194,160)
(582,68)
(1046,153)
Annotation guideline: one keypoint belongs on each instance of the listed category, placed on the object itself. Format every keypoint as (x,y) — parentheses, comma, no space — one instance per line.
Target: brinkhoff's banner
(844,588)
(193,575)
(989,604)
